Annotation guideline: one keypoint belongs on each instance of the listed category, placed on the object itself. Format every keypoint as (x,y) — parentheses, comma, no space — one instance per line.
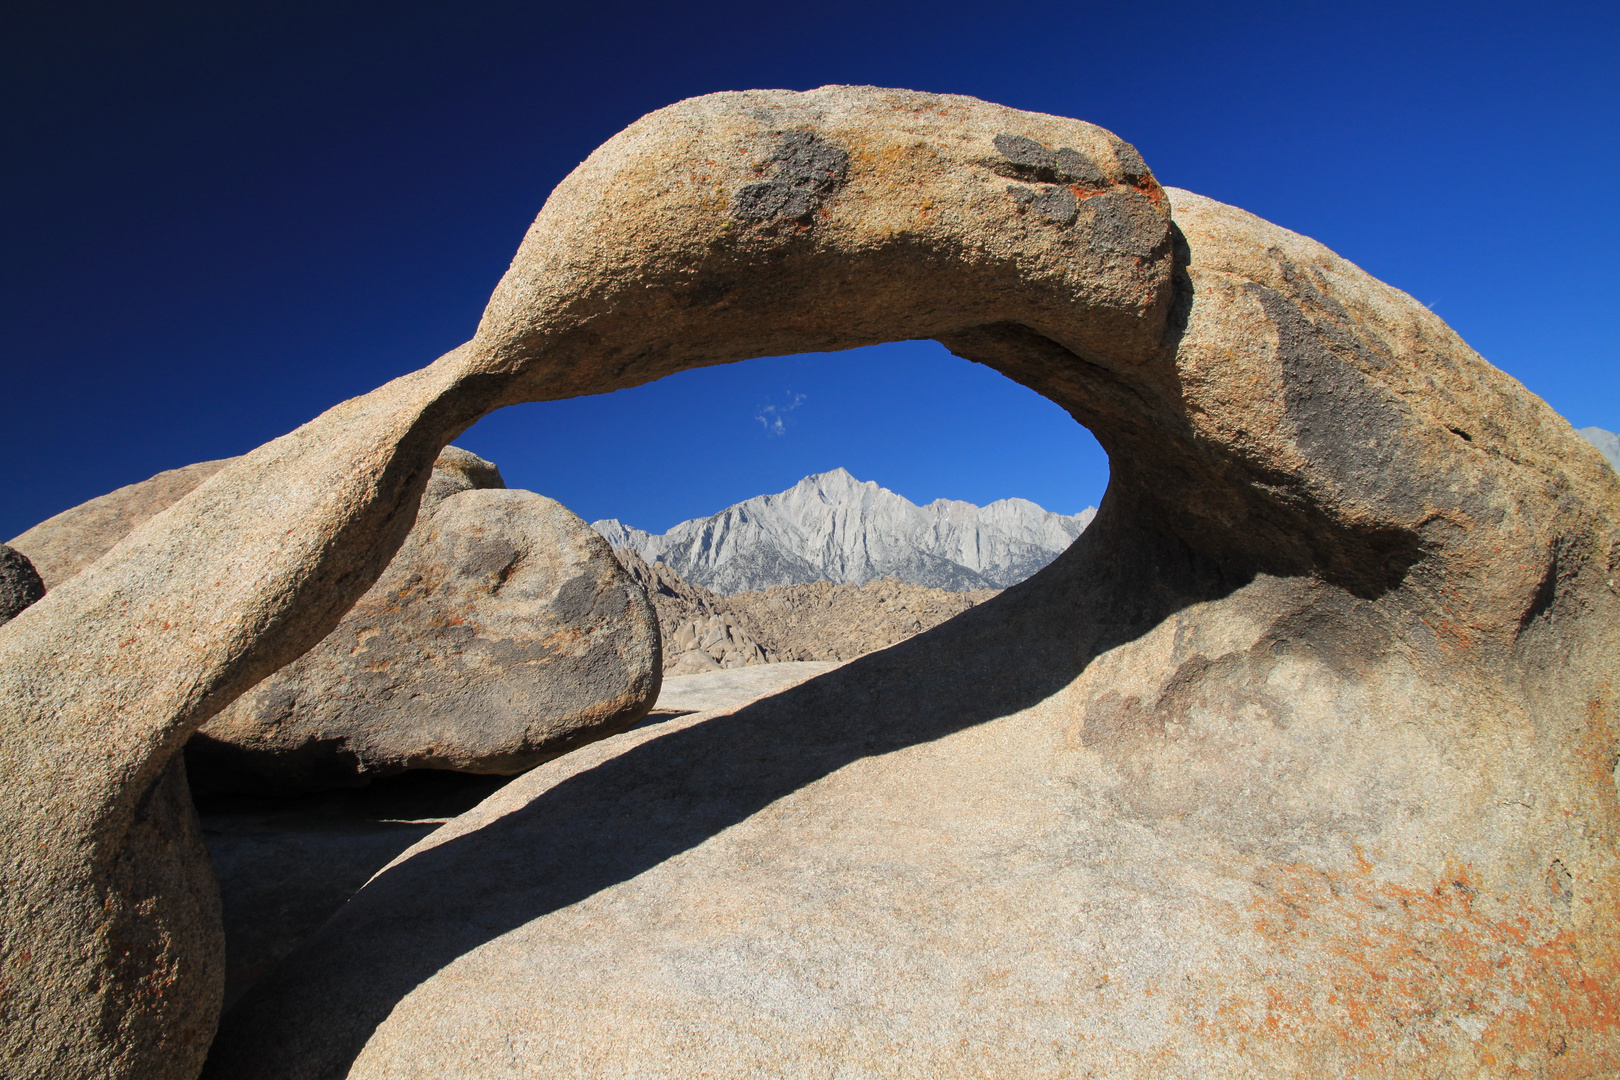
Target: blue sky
(217,223)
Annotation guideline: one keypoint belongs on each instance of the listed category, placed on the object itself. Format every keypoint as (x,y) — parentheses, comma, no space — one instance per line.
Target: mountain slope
(1607,442)
(833,527)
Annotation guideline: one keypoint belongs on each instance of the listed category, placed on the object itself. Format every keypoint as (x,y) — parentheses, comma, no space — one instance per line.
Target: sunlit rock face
(1299,762)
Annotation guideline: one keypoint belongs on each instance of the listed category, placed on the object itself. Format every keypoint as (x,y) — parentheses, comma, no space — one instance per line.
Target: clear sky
(221,219)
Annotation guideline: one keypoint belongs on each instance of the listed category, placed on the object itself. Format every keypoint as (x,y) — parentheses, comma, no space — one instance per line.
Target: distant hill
(1607,442)
(833,527)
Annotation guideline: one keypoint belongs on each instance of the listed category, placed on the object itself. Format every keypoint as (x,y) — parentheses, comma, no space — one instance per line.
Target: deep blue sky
(220,219)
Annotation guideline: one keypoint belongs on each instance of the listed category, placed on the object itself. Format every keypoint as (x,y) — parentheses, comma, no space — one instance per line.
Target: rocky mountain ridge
(1607,443)
(833,527)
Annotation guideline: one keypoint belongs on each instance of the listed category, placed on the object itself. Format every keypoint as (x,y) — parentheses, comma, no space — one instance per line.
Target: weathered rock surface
(833,527)
(1298,763)
(1607,443)
(61,546)
(503,634)
(19,583)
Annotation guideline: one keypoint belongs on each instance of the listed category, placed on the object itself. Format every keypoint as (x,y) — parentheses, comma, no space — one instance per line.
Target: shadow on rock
(630,812)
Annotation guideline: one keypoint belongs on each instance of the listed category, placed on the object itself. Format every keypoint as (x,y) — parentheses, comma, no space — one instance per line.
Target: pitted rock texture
(1268,774)
(19,583)
(804,168)
(503,634)
(61,546)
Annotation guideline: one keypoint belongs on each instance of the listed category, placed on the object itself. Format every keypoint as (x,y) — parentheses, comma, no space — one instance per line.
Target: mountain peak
(832,526)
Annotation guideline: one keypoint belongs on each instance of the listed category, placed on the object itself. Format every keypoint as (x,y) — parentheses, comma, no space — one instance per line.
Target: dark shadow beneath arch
(610,823)
(286,864)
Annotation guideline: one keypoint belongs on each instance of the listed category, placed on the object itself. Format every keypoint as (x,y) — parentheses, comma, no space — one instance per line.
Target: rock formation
(822,620)
(61,546)
(1607,443)
(503,634)
(833,527)
(1298,763)
(818,620)
(698,630)
(19,583)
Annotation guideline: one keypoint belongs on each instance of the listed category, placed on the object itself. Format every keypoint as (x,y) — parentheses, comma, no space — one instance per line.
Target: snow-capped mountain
(833,527)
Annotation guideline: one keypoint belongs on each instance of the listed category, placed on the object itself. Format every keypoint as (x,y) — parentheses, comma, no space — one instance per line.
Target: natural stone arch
(1294,447)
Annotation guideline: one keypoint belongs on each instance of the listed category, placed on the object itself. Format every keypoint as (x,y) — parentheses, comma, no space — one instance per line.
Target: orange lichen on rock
(1374,975)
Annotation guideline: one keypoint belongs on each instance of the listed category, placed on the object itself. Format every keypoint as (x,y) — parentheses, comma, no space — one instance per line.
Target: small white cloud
(773,417)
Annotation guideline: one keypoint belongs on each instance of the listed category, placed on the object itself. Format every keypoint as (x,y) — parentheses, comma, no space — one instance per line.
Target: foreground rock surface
(503,634)
(1317,719)
(717,690)
(286,865)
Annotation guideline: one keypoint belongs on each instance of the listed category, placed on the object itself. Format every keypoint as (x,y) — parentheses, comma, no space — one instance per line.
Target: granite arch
(1303,460)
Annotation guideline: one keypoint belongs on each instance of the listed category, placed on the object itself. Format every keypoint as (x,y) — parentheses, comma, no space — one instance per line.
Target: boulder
(503,634)
(20,585)
(1298,763)
(61,546)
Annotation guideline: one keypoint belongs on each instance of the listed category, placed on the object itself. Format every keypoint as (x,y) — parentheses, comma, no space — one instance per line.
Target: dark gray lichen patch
(20,584)
(1022,150)
(1028,160)
(806,160)
(1338,322)
(1353,431)
(1126,223)
(1075,166)
(805,169)
(774,199)
(1057,205)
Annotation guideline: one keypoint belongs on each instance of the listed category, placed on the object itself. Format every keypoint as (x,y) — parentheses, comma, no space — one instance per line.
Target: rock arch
(1309,471)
